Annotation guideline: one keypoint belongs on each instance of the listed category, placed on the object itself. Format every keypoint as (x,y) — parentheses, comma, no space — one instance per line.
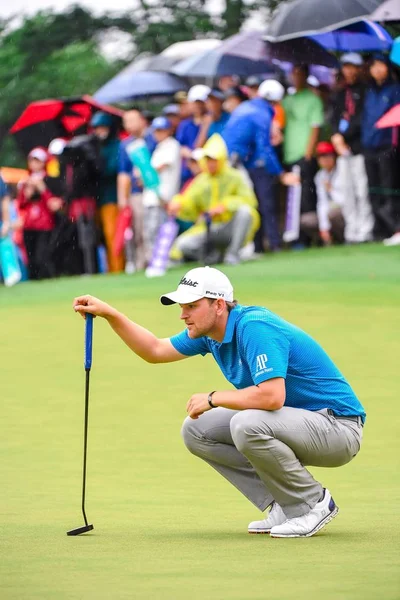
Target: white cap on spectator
(271,90)
(198,93)
(351,58)
(197,154)
(38,153)
(313,81)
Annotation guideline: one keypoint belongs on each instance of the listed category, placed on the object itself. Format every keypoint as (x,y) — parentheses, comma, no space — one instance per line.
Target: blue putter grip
(88,341)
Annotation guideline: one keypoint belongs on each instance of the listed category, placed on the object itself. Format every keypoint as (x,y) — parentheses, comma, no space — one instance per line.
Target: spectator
(37,206)
(4,209)
(189,129)
(148,134)
(215,119)
(104,128)
(166,161)
(129,188)
(221,192)
(185,109)
(304,119)
(194,162)
(62,237)
(80,170)
(248,138)
(233,98)
(273,91)
(346,125)
(172,112)
(328,219)
(252,85)
(380,147)
(226,82)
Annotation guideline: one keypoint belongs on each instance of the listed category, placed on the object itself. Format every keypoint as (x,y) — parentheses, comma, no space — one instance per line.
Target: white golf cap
(198,93)
(39,153)
(351,58)
(313,81)
(271,90)
(203,282)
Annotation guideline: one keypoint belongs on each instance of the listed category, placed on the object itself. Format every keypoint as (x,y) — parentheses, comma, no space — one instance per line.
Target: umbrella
(241,54)
(364,36)
(388,11)
(301,50)
(171,55)
(395,52)
(135,84)
(45,120)
(390,119)
(308,17)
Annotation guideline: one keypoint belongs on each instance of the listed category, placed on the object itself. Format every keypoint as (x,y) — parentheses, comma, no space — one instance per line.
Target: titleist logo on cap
(185,281)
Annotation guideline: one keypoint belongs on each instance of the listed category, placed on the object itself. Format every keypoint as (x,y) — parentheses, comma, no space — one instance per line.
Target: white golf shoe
(276,517)
(307,525)
(392,241)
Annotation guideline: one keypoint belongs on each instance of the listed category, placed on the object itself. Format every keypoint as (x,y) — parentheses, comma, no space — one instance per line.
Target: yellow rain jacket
(227,187)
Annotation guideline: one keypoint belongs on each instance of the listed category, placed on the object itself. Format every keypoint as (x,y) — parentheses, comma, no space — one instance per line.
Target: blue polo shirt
(258,346)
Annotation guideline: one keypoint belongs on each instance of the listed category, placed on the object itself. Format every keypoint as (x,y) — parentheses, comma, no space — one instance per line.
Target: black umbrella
(308,17)
(302,50)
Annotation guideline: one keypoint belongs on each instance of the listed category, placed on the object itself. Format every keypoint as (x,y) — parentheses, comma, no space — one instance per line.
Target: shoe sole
(320,525)
(258,531)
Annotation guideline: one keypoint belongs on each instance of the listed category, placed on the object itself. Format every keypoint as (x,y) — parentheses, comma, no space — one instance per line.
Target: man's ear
(221,306)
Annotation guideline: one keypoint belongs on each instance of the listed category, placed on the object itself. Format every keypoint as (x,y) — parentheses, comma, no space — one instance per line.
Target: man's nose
(184,314)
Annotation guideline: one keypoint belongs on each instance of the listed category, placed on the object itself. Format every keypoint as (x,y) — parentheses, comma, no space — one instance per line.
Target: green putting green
(166,525)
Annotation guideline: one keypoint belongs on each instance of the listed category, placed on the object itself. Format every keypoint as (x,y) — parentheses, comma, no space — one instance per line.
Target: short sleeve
(189,347)
(317,113)
(266,350)
(124,162)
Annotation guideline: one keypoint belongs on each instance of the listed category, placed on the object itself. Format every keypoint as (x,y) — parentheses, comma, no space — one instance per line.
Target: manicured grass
(166,525)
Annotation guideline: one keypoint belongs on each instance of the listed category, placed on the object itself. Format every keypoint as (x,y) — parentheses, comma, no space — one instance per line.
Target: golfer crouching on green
(291,407)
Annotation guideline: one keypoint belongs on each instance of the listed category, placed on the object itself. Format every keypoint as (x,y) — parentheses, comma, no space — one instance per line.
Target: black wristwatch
(210,402)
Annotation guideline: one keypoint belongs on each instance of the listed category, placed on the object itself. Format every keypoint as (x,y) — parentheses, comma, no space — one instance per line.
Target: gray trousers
(229,236)
(357,208)
(263,453)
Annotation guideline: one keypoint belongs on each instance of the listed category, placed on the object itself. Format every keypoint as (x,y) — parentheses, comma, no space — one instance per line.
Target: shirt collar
(231,323)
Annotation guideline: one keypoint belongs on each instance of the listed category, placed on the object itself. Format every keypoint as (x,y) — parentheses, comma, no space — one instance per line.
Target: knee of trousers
(245,430)
(191,435)
(244,213)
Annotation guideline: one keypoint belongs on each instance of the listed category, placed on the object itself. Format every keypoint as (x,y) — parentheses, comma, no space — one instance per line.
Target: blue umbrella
(135,84)
(364,36)
(241,54)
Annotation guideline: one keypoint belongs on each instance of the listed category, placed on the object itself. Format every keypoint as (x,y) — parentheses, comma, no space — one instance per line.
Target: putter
(88,363)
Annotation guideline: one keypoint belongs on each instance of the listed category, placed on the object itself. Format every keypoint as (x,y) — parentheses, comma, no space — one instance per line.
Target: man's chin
(194,335)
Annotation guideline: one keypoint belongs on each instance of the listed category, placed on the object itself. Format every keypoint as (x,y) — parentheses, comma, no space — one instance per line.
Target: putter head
(80,530)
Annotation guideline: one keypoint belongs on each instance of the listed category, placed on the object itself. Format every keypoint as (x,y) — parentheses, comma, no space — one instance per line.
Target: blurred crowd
(221,175)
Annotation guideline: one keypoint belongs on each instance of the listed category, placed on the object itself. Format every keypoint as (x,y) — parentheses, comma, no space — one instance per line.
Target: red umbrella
(390,119)
(45,120)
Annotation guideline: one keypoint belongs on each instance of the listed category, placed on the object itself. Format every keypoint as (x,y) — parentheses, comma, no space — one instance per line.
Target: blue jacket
(186,134)
(247,134)
(378,100)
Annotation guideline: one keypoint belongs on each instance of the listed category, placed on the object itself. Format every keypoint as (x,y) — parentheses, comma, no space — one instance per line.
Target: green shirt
(304,110)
